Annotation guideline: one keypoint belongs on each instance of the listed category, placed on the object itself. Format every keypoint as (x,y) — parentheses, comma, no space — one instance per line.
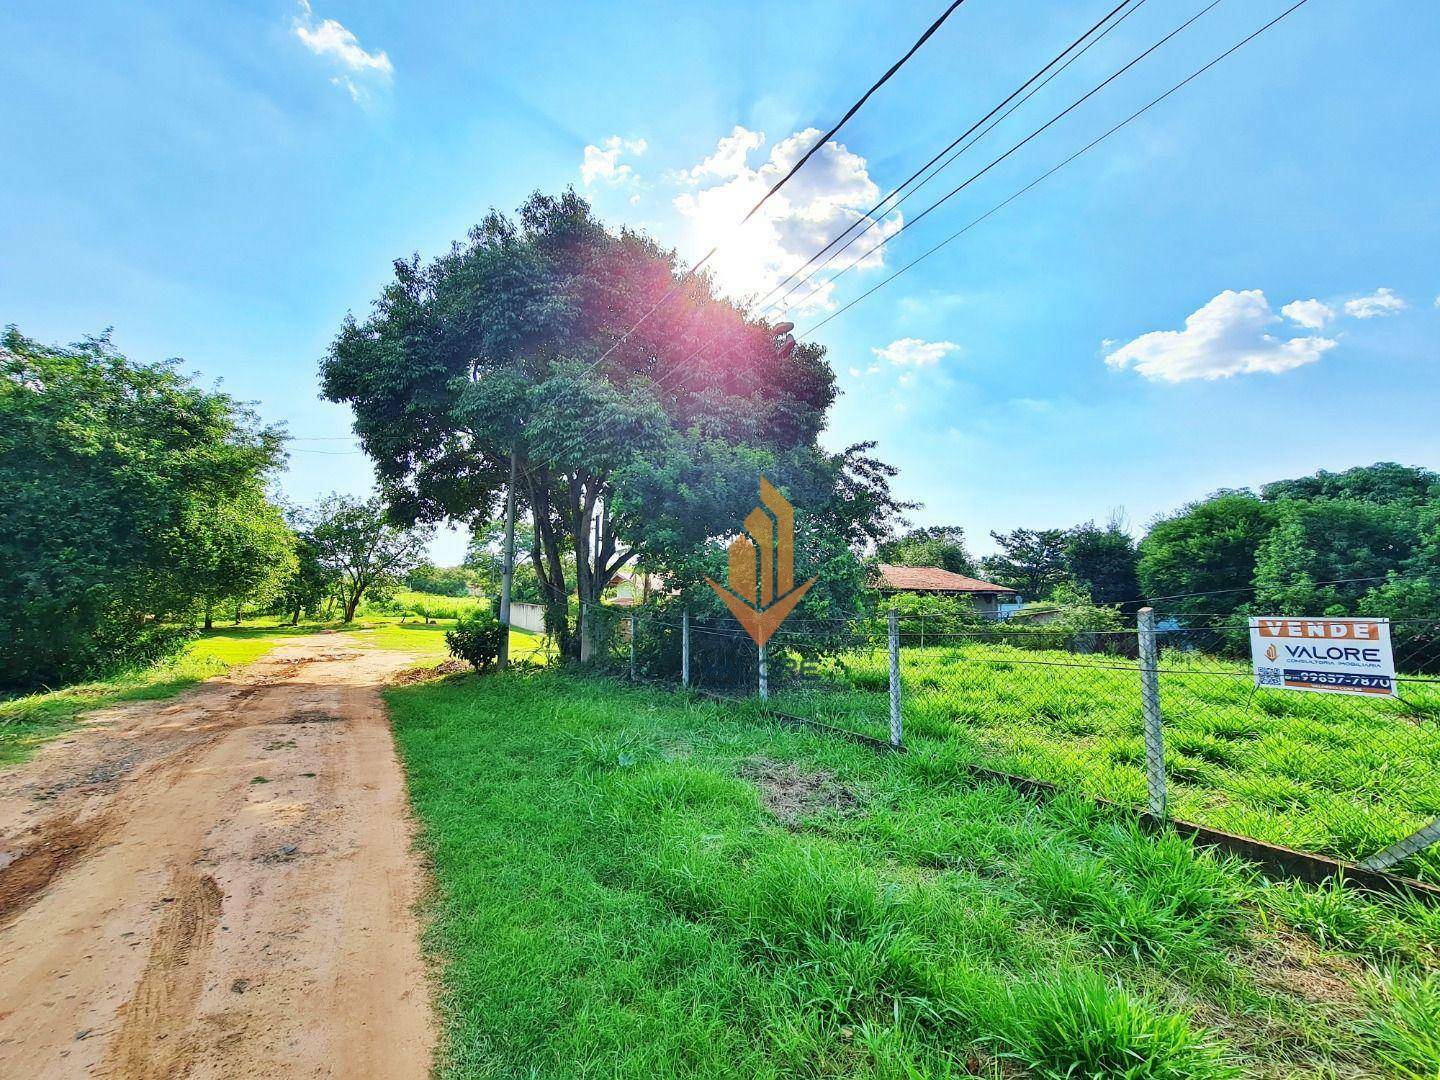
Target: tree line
(138,506)
(1365,541)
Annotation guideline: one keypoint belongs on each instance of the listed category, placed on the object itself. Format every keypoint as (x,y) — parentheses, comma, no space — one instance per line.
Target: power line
(1034,134)
(871,214)
(854,108)
(1044,176)
(675,286)
(996,161)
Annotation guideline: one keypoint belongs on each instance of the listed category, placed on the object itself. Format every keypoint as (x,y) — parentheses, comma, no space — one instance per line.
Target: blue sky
(223,182)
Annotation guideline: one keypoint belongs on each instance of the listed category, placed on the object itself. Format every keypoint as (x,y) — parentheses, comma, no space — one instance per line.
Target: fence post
(685,648)
(632,648)
(895,731)
(1150,703)
(764,676)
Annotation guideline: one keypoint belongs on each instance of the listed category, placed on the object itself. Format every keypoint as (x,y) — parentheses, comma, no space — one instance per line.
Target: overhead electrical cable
(1051,172)
(850,112)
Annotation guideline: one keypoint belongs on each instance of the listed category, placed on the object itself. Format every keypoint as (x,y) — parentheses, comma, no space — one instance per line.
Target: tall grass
(1325,773)
(613,898)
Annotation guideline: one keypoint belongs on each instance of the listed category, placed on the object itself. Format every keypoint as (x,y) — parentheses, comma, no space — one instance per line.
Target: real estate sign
(1329,656)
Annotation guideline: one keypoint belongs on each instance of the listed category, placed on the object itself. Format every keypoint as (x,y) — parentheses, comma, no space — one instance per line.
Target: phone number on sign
(1334,678)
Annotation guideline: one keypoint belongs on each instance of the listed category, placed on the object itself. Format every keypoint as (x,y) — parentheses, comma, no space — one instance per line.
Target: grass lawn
(427,640)
(1334,774)
(632,884)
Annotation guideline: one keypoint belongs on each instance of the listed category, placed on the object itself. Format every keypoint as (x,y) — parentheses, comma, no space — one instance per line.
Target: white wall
(527,617)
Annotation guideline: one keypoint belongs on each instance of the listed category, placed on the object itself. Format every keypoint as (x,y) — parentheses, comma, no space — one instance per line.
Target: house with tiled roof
(990,599)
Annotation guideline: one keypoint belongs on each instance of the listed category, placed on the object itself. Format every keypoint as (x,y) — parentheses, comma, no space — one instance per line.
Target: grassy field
(427,640)
(633,885)
(1337,775)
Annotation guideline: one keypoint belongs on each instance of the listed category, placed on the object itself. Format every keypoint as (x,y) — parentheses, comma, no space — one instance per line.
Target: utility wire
(675,286)
(1034,134)
(1028,138)
(872,216)
(1044,176)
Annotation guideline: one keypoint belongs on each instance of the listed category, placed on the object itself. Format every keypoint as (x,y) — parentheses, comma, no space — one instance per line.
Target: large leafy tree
(361,548)
(1385,483)
(1337,543)
(1202,558)
(1103,560)
(931,545)
(236,553)
(1031,561)
(639,406)
(109,472)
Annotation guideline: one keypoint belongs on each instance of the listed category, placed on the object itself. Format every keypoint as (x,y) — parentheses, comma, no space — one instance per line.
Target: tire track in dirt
(28,869)
(219,885)
(151,1045)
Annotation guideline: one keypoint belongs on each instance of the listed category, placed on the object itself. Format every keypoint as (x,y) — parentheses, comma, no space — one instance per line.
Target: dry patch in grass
(432,671)
(792,793)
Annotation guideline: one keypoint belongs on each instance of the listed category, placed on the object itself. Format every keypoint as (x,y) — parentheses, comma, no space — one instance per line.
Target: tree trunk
(209,618)
(351,603)
(295,618)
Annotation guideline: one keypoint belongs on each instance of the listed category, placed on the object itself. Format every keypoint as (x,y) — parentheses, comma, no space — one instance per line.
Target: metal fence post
(685,648)
(1150,704)
(895,731)
(632,648)
(764,676)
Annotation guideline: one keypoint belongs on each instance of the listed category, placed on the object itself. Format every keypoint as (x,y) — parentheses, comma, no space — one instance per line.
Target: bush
(925,617)
(476,639)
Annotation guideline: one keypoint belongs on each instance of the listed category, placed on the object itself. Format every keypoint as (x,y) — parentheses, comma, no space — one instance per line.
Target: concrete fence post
(896,734)
(632,648)
(1150,705)
(685,649)
(764,676)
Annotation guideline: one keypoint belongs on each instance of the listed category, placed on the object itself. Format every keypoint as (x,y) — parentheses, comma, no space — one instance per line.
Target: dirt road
(217,885)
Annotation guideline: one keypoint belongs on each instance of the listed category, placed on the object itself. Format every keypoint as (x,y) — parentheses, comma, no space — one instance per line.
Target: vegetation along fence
(1165,716)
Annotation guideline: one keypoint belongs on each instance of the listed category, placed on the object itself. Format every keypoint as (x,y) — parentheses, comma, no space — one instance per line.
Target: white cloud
(1380,303)
(603,162)
(1311,314)
(332,41)
(912,352)
(729,160)
(831,192)
(1228,336)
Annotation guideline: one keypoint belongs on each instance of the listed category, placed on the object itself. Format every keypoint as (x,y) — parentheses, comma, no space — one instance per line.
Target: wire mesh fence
(1172,721)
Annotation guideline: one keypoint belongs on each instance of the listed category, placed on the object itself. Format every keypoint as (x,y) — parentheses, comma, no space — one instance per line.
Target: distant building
(990,599)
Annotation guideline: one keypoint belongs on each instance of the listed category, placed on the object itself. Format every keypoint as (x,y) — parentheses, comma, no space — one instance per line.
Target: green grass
(427,640)
(432,606)
(614,899)
(1331,774)
(28,721)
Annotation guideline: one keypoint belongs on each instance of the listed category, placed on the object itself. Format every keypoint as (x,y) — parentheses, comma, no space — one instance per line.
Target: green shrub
(476,639)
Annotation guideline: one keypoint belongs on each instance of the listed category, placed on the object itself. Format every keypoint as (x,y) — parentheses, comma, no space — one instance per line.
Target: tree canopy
(640,406)
(1031,561)
(1332,543)
(111,473)
(360,548)
(931,545)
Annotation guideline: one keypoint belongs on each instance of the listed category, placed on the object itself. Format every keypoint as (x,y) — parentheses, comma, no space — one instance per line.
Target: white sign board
(1329,656)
